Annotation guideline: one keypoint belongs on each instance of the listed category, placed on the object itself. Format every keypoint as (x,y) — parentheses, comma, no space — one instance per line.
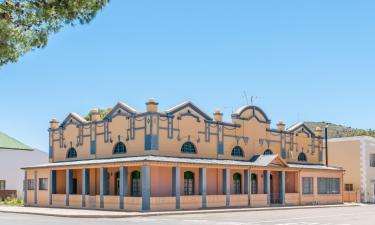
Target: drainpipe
(326,140)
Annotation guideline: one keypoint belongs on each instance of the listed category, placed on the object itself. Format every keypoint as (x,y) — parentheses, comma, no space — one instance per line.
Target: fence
(7,194)
(351,196)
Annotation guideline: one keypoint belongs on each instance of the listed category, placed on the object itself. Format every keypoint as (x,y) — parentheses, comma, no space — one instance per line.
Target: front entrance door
(74,186)
(271,190)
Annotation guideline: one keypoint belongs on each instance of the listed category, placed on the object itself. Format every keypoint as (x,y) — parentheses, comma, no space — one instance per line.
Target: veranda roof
(261,161)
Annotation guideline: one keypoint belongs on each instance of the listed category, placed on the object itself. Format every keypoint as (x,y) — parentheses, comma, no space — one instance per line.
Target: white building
(13,156)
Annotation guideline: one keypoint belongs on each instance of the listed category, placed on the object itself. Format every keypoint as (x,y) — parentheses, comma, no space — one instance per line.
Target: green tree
(26,24)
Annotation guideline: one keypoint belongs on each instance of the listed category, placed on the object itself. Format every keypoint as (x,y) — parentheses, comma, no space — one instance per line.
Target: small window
(302,157)
(119,148)
(72,153)
(43,183)
(349,187)
(237,152)
(2,185)
(307,185)
(237,183)
(30,184)
(188,147)
(372,160)
(268,152)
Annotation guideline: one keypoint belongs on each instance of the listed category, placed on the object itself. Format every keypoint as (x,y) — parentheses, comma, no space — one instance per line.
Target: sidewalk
(88,213)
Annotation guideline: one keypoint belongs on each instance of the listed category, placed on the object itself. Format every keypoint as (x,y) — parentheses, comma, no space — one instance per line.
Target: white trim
(363,169)
(262,161)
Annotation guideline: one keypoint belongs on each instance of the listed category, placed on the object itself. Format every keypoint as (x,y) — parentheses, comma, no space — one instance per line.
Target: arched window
(268,152)
(136,183)
(188,183)
(72,153)
(237,152)
(119,148)
(188,147)
(302,157)
(237,183)
(254,184)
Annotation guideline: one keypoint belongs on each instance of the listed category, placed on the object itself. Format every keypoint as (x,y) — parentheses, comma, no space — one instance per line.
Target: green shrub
(12,202)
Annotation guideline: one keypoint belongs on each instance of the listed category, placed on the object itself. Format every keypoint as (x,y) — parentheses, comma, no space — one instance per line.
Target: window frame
(268,152)
(31,184)
(237,183)
(327,185)
(302,159)
(189,183)
(43,184)
(237,152)
(310,187)
(71,150)
(136,190)
(349,187)
(372,160)
(117,146)
(187,148)
(3,185)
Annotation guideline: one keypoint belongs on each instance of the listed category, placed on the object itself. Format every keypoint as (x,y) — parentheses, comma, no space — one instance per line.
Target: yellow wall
(252,133)
(346,154)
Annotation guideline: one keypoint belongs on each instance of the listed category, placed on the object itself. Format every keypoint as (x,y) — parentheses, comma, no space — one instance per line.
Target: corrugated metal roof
(263,160)
(312,166)
(7,142)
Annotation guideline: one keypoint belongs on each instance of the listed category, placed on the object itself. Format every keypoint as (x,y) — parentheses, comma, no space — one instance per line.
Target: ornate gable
(120,109)
(73,118)
(189,109)
(251,112)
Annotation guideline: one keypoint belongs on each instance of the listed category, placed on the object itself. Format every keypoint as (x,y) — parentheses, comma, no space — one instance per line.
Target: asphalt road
(360,215)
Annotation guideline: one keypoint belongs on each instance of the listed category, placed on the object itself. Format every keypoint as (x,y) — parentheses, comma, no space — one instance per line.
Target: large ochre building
(181,158)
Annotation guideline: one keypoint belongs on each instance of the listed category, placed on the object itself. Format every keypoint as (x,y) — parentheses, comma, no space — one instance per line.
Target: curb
(181,212)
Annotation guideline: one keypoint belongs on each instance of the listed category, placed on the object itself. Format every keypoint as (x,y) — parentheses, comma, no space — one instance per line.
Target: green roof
(7,142)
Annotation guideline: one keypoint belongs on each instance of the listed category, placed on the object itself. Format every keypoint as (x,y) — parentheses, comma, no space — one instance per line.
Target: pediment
(188,109)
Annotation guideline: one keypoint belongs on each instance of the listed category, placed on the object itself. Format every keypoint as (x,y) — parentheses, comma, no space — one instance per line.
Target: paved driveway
(360,215)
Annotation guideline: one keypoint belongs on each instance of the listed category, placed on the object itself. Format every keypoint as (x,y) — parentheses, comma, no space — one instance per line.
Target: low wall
(59,200)
(258,200)
(291,198)
(329,199)
(75,201)
(162,203)
(191,202)
(111,202)
(216,201)
(239,200)
(90,201)
(133,203)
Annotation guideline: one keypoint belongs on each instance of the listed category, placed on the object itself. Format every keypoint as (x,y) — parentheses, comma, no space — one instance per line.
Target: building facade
(357,157)
(13,156)
(181,158)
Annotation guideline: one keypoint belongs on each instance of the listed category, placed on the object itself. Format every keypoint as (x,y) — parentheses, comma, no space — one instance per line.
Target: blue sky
(305,60)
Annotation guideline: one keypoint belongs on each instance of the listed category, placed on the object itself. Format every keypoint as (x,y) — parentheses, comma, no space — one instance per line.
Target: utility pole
(326,140)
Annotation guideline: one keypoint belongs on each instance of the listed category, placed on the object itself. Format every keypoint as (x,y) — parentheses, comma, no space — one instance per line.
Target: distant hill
(337,131)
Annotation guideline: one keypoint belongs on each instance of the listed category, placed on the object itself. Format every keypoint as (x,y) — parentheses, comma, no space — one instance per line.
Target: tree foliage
(27,24)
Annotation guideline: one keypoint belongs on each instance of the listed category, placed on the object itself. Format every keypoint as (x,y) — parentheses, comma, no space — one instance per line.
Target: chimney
(54,123)
(318,131)
(95,116)
(152,105)
(218,116)
(281,125)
